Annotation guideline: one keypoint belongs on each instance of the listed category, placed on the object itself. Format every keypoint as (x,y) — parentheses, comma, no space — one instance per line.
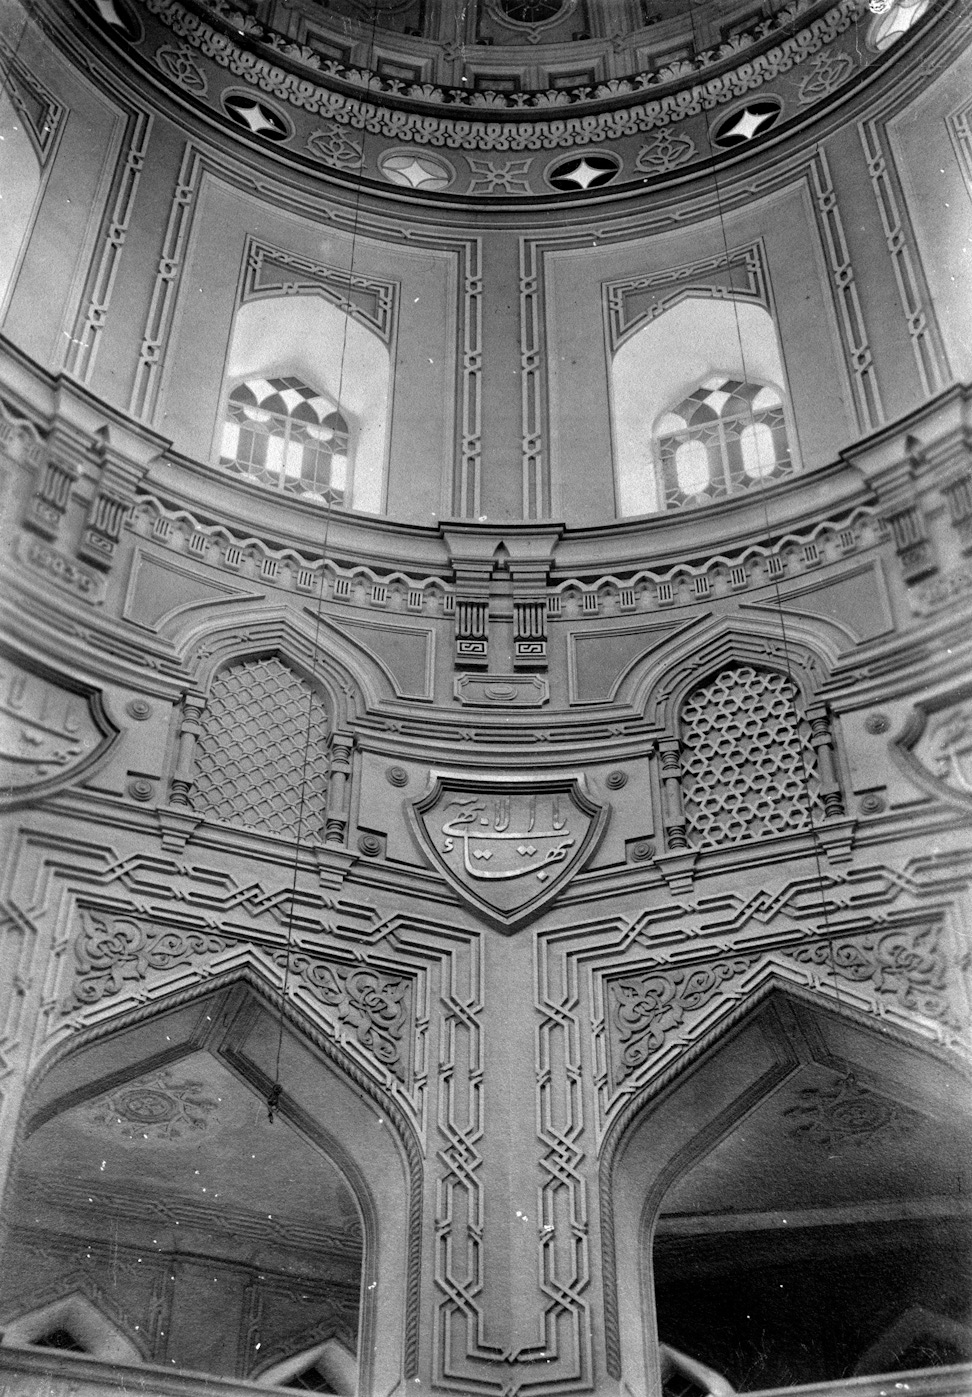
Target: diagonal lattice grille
(250,757)
(748,764)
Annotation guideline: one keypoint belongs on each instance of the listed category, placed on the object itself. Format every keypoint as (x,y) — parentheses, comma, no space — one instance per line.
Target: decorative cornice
(485,124)
(793,553)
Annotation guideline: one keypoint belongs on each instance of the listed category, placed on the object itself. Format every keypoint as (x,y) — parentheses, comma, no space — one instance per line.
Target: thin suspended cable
(274,1094)
(798,718)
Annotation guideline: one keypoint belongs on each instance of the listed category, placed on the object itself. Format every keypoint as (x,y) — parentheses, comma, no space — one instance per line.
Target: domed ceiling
(508,98)
(516,45)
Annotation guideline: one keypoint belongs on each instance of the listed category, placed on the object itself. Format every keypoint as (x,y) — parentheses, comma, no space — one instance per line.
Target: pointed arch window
(281,433)
(720,440)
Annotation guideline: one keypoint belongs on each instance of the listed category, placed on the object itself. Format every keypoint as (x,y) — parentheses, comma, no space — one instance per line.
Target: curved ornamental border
(807,55)
(794,29)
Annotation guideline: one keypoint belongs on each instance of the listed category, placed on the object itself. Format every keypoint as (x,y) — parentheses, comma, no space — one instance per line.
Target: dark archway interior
(215,1241)
(828,1233)
(779,1307)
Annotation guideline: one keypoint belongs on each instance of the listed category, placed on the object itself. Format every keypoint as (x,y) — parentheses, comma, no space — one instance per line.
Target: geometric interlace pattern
(748,765)
(250,756)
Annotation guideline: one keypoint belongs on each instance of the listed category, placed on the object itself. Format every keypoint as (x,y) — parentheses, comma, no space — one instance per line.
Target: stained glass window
(281,433)
(720,440)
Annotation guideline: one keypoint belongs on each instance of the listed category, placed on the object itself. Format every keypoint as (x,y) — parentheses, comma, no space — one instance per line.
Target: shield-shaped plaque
(507,846)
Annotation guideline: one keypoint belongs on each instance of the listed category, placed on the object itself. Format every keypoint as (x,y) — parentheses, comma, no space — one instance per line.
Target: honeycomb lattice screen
(749,769)
(250,757)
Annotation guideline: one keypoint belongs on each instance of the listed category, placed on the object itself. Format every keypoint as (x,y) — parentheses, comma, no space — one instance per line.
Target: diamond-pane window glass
(720,440)
(280,433)
(748,765)
(260,721)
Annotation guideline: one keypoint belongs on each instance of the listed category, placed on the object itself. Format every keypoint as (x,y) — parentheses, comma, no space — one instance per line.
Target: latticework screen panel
(250,757)
(748,766)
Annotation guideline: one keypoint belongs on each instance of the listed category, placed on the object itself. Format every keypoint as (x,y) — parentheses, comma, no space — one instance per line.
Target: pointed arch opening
(779,1205)
(150,1177)
(306,403)
(700,406)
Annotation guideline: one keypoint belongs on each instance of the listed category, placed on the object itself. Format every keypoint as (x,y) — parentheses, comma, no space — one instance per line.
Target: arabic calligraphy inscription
(507,848)
(44,730)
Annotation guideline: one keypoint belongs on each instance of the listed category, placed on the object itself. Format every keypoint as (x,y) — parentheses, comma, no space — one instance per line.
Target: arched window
(281,433)
(264,737)
(726,347)
(749,769)
(720,440)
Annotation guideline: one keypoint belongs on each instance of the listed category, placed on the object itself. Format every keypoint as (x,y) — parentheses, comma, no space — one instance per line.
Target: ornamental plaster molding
(437,129)
(178,530)
(41,112)
(904,976)
(793,554)
(51,733)
(84,342)
(870,941)
(916,303)
(160,1106)
(113,955)
(846,1115)
(168,276)
(271,271)
(632,302)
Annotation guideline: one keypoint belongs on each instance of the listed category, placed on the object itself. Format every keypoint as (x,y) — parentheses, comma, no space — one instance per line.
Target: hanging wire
(276,1089)
(794,688)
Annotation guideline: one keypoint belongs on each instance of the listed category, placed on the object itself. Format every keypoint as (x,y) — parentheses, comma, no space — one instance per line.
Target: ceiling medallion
(748,122)
(506,846)
(255,117)
(427,172)
(157,1107)
(847,1114)
(585,171)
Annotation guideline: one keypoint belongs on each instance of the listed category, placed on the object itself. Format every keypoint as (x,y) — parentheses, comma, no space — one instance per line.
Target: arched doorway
(154,1206)
(798,1201)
